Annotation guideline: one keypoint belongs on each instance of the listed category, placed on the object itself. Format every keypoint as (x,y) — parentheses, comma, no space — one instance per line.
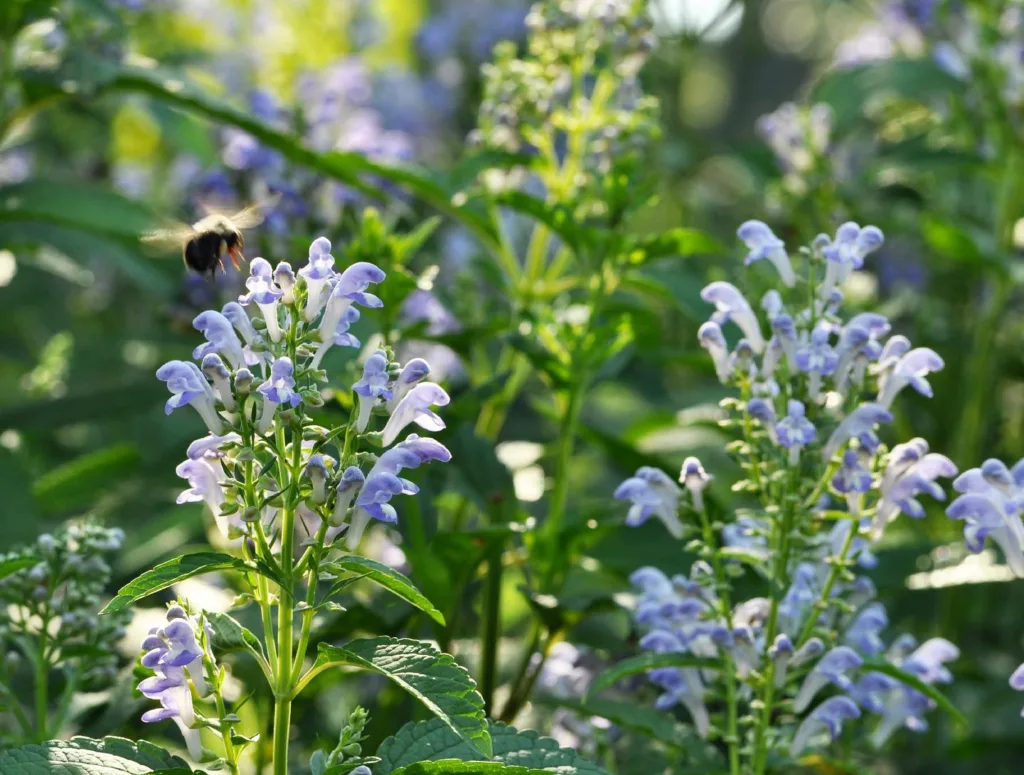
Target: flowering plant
(821,487)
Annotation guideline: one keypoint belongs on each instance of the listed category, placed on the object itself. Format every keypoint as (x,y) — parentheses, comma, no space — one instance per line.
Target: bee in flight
(206,241)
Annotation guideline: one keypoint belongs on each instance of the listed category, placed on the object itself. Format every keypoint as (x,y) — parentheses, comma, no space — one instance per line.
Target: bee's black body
(204,252)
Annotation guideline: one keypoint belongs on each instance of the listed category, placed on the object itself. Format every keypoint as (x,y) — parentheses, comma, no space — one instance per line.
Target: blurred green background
(91,158)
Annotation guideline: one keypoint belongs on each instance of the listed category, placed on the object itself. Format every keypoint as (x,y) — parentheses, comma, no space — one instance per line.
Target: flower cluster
(814,388)
(799,137)
(300,317)
(181,658)
(54,603)
(532,103)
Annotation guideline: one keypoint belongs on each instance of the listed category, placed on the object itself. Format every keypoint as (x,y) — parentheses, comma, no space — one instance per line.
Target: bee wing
(254,214)
(165,240)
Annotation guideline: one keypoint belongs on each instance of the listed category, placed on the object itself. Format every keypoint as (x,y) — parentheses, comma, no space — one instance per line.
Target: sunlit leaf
(85,756)
(386,577)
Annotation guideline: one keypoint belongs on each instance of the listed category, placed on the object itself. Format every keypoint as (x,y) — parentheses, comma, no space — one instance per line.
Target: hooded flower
(652,493)
(990,504)
(373,386)
(278,389)
(762,243)
(414,372)
(911,471)
(190,388)
(831,668)
(828,718)
(317,273)
(795,431)
(415,408)
(731,305)
(349,288)
(911,369)
(221,338)
(846,252)
(215,371)
(857,423)
(265,294)
(711,339)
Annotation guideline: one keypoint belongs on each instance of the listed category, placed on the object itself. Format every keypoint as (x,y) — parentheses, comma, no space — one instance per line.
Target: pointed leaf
(229,635)
(180,568)
(388,578)
(11,565)
(644,662)
(432,677)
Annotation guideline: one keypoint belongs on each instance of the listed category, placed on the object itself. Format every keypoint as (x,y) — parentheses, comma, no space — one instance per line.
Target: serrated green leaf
(15,564)
(389,578)
(644,662)
(432,677)
(185,567)
(422,741)
(911,680)
(229,635)
(85,756)
(531,750)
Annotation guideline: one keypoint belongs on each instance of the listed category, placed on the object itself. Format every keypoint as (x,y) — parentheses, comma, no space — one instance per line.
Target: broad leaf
(79,482)
(85,756)
(229,635)
(422,741)
(180,568)
(911,680)
(644,662)
(15,564)
(847,90)
(388,578)
(432,677)
(456,767)
(531,750)
(80,205)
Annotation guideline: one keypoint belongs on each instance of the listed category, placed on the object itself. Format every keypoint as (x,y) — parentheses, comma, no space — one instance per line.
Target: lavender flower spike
(316,273)
(831,668)
(415,408)
(911,370)
(373,386)
(763,411)
(189,387)
(652,493)
(986,515)
(265,294)
(827,717)
(221,338)
(277,390)
(731,305)
(711,339)
(861,420)
(762,243)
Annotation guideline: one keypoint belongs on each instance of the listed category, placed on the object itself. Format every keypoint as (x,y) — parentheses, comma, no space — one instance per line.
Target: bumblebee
(205,243)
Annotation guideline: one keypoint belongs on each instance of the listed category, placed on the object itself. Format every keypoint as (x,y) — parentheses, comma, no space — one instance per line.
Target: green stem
(732,739)
(230,755)
(282,723)
(70,687)
(560,494)
(491,624)
(780,582)
(42,675)
(513,703)
(826,591)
